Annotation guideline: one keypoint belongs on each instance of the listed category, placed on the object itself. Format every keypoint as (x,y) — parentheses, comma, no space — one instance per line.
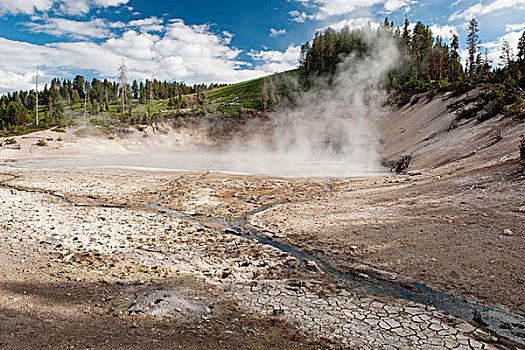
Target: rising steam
(329,132)
(337,122)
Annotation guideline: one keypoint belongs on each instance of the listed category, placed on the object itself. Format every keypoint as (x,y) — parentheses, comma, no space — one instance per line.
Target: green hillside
(237,97)
(248,97)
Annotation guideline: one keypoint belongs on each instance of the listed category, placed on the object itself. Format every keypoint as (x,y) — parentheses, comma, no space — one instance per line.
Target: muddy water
(239,162)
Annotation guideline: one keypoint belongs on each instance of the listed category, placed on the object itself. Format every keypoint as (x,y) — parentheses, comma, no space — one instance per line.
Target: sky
(204,41)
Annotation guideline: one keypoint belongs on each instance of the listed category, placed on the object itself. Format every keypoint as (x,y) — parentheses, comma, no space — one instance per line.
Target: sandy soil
(95,258)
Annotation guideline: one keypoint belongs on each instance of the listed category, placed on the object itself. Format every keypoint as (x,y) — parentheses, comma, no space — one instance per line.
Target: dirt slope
(423,130)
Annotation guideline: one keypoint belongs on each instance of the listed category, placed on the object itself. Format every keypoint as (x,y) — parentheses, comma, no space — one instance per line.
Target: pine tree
(406,34)
(135,89)
(521,53)
(521,48)
(421,45)
(454,59)
(16,113)
(472,43)
(506,55)
(78,84)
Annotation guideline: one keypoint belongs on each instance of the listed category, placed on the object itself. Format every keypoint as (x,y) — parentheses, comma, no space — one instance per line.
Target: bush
(492,109)
(41,143)
(467,113)
(10,141)
(516,110)
(60,139)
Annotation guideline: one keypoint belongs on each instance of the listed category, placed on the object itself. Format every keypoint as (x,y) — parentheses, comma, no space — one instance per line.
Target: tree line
(429,62)
(19,108)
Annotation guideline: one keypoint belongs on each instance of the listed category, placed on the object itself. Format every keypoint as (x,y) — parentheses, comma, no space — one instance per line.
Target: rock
(227,289)
(278,312)
(521,209)
(508,232)
(51,240)
(233,232)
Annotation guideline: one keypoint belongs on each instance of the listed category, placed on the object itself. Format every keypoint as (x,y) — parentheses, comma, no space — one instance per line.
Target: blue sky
(210,41)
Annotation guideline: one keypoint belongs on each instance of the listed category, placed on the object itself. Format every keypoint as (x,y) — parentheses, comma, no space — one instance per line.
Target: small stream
(504,324)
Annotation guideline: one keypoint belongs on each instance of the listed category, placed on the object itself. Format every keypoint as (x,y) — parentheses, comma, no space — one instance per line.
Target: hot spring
(239,162)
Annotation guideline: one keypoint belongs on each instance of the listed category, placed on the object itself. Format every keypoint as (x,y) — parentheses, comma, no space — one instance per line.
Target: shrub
(516,110)
(492,109)
(10,141)
(41,143)
(60,139)
(468,113)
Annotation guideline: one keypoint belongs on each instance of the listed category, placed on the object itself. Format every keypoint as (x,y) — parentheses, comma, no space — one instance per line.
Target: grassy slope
(234,98)
(226,101)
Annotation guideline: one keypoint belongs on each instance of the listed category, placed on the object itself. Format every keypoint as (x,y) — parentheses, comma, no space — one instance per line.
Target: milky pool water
(239,162)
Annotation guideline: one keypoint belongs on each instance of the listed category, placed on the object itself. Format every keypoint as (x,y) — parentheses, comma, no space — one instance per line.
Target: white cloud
(480,9)
(97,28)
(352,23)
(10,81)
(150,24)
(394,5)
(446,31)
(275,33)
(329,8)
(299,17)
(514,27)
(60,27)
(192,53)
(277,61)
(70,7)
(109,3)
(24,6)
(494,47)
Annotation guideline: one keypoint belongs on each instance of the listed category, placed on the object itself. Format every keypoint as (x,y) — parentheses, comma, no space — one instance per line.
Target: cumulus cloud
(96,28)
(61,27)
(150,24)
(70,7)
(275,33)
(514,27)
(25,6)
(480,9)
(394,5)
(446,31)
(353,23)
(299,17)
(277,61)
(191,53)
(82,7)
(330,8)
(494,47)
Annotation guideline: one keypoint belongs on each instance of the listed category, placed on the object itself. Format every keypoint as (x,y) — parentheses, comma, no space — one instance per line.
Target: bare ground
(85,263)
